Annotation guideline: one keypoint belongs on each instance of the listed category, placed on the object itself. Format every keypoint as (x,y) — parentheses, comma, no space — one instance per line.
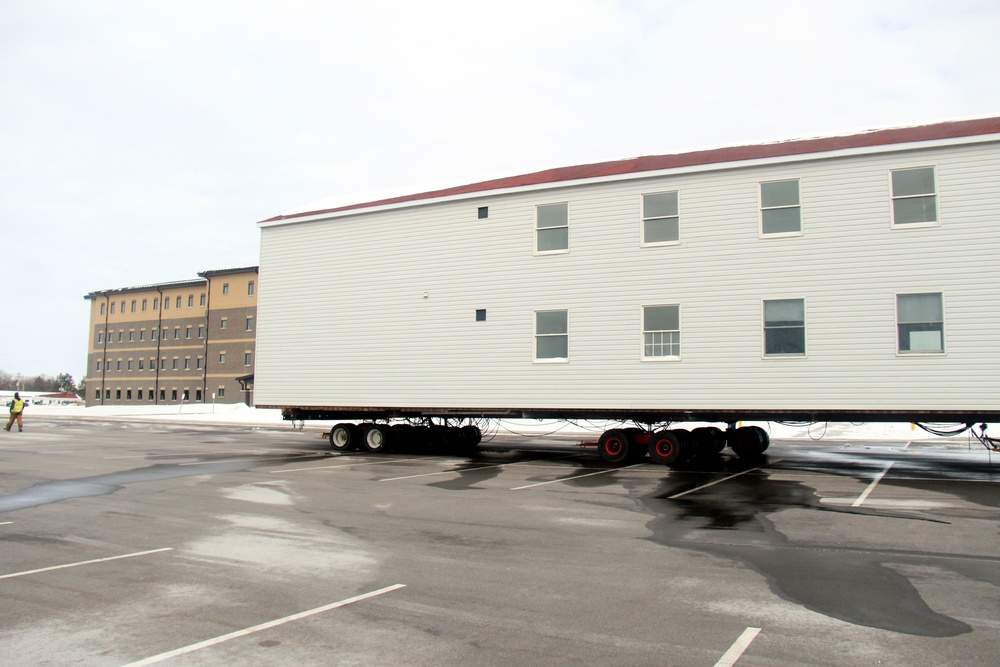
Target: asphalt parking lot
(134,544)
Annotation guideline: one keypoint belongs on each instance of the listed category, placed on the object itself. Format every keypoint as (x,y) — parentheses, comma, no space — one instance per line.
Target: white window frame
(892,201)
(763,329)
(643,333)
(556,251)
(535,336)
(761,208)
(944,319)
(643,219)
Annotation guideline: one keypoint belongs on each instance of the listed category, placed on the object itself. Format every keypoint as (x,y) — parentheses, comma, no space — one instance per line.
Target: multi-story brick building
(185,341)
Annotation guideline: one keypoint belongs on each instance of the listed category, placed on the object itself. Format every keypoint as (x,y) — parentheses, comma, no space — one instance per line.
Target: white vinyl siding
(366,335)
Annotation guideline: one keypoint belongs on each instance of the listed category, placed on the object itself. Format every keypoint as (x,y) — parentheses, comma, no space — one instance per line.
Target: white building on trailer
(843,277)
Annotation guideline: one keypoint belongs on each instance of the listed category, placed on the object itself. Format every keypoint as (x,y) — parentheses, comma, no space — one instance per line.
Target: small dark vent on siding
(484,212)
(481,315)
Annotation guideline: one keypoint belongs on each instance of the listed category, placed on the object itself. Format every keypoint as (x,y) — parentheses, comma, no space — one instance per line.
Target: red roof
(62,394)
(902,135)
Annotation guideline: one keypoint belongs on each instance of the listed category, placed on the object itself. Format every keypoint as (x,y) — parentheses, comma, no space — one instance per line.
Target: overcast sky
(141,141)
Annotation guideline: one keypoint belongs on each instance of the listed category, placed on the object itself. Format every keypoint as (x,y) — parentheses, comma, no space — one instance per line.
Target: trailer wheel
(614,446)
(471,435)
(341,436)
(377,438)
(665,447)
(764,437)
(748,441)
(708,440)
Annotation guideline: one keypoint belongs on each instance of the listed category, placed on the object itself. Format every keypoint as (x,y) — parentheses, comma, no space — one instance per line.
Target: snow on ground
(241,415)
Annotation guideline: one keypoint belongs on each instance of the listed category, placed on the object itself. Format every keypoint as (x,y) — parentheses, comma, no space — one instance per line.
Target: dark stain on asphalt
(56,491)
(854,585)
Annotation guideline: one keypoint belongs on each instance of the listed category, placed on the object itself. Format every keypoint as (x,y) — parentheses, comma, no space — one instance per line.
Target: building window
(107,394)
(177,333)
(176,364)
(152,334)
(190,300)
(173,394)
(661,332)
(144,305)
(187,363)
(178,305)
(119,365)
(552,227)
(121,336)
(225,288)
(198,363)
(98,364)
(102,312)
(163,394)
(920,322)
(112,307)
(222,392)
(100,337)
(201,331)
(186,394)
(150,396)
(785,327)
(128,394)
(780,211)
(166,303)
(129,364)
(166,332)
(163,364)
(551,335)
(250,288)
(133,310)
(201,300)
(247,358)
(222,357)
(118,394)
(224,324)
(152,364)
(914,196)
(660,220)
(480,314)
(197,394)
(142,365)
(131,336)
(97,394)
(187,332)
(156,303)
(142,335)
(123,307)
(249,324)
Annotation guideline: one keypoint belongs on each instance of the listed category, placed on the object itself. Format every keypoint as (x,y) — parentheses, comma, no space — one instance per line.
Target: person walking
(16,408)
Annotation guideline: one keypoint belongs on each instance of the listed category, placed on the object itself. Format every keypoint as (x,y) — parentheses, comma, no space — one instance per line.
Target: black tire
(377,438)
(764,436)
(748,441)
(666,447)
(707,441)
(614,446)
(471,435)
(343,437)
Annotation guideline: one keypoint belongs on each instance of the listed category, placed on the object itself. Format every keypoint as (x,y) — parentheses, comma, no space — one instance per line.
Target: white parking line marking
(5,523)
(871,487)
(84,562)
(730,657)
(263,626)
(718,481)
(346,465)
(570,479)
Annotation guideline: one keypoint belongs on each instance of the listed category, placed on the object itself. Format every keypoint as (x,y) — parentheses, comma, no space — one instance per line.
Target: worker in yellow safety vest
(16,408)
